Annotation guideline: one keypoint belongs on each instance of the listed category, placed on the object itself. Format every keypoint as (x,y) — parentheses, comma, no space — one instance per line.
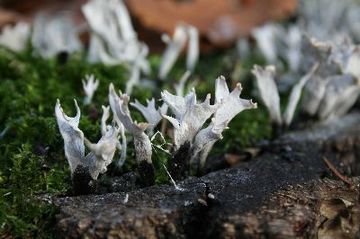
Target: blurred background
(220,23)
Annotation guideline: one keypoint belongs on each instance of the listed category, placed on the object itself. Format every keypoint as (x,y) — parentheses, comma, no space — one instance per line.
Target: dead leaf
(219,21)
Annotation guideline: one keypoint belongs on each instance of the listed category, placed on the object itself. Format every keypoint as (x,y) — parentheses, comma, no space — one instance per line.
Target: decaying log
(285,192)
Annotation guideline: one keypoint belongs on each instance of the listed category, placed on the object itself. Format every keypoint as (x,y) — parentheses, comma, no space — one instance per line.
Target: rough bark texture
(286,192)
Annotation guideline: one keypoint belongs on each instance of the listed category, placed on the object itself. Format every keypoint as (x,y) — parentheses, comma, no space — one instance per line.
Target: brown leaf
(219,21)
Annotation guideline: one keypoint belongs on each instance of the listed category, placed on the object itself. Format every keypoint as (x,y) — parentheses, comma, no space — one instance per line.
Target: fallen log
(285,192)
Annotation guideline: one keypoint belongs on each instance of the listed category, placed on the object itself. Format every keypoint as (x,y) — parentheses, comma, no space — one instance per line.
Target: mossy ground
(32,162)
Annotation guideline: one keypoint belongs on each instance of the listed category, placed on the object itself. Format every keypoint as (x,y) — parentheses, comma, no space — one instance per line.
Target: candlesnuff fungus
(336,86)
(142,143)
(83,168)
(266,38)
(276,41)
(137,67)
(123,147)
(72,135)
(90,85)
(151,114)
(293,39)
(340,18)
(230,104)
(113,39)
(54,35)
(191,141)
(182,34)
(189,115)
(270,94)
(180,86)
(15,37)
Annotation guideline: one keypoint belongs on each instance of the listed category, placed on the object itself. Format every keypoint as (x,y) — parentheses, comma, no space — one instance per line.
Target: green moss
(32,162)
(32,157)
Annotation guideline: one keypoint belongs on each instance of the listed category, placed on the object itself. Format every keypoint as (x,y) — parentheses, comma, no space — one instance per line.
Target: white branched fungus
(72,135)
(135,72)
(243,47)
(276,41)
(340,95)
(266,37)
(182,34)
(313,93)
(335,88)
(101,154)
(268,90)
(193,50)
(295,96)
(54,35)
(270,95)
(190,118)
(104,128)
(347,56)
(113,39)
(293,53)
(229,105)
(151,114)
(119,105)
(97,52)
(180,87)
(105,116)
(15,37)
(340,18)
(112,102)
(189,115)
(90,85)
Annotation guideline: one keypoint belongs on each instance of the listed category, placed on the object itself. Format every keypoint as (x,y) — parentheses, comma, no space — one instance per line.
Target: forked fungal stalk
(83,168)
(266,38)
(113,39)
(270,95)
(119,104)
(72,135)
(90,85)
(151,114)
(180,86)
(192,142)
(230,104)
(335,89)
(189,115)
(183,33)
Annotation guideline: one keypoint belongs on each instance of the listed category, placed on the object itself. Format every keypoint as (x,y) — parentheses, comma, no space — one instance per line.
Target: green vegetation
(32,162)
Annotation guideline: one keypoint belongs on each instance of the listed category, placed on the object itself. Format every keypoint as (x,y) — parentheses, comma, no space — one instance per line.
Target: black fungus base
(179,163)
(82,181)
(146,173)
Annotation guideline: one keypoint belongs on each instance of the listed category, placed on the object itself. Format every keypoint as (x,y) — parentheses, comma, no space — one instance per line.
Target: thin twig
(336,172)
